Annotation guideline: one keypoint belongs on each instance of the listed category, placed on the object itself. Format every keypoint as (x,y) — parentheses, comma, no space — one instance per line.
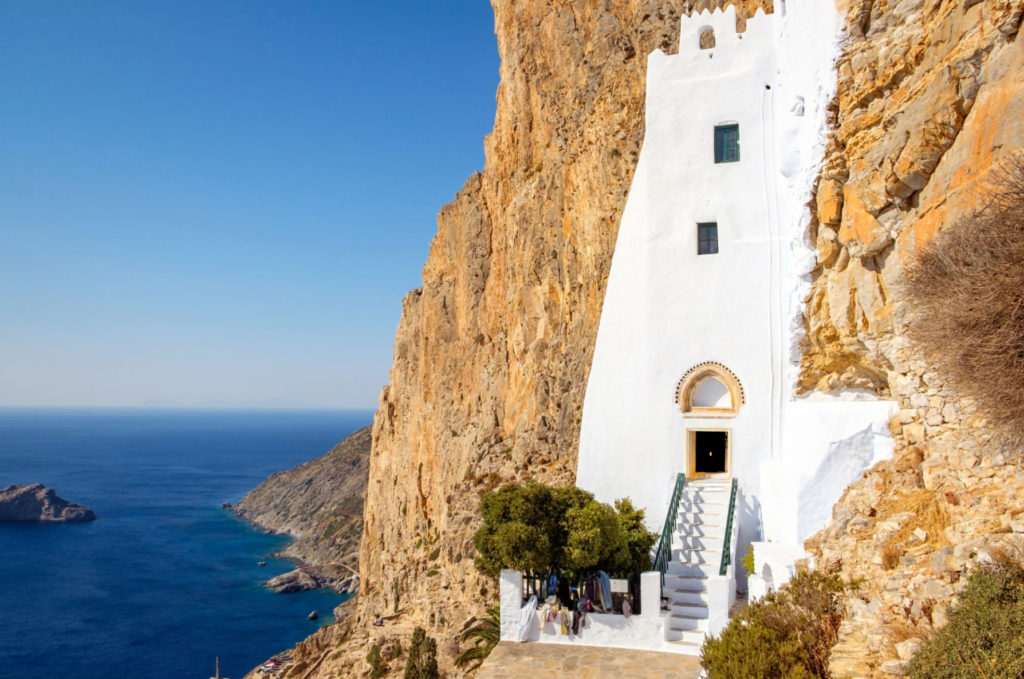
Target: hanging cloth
(606,590)
(526,619)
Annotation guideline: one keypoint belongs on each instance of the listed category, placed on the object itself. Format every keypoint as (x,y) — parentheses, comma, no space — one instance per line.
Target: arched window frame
(687,386)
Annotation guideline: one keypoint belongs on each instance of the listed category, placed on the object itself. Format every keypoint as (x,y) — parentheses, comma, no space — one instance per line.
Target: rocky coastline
(37,503)
(320,505)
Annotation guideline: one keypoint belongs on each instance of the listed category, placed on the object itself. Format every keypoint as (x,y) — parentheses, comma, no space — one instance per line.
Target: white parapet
(774,566)
(639,632)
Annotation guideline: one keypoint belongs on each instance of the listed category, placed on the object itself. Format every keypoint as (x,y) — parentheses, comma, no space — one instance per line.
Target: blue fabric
(606,590)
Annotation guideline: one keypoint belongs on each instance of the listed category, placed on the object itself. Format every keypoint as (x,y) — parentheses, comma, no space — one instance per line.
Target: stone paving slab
(555,661)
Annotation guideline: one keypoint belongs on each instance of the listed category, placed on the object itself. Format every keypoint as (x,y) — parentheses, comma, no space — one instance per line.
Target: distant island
(35,502)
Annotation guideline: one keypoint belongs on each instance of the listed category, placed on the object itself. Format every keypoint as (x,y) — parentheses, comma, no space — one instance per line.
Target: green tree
(534,527)
(639,540)
(422,660)
(984,635)
(486,634)
(594,537)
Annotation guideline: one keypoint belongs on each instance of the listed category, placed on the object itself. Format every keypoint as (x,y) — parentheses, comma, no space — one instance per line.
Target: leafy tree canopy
(533,527)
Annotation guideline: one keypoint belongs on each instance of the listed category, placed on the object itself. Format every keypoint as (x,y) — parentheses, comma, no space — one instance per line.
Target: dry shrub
(968,290)
(789,634)
(890,556)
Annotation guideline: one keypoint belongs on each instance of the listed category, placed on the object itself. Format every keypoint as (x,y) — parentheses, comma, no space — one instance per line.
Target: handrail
(727,540)
(664,554)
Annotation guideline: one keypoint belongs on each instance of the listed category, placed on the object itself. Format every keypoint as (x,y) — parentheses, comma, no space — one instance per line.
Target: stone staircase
(696,557)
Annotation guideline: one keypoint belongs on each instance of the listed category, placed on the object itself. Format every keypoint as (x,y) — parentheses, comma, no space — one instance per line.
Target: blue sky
(225,201)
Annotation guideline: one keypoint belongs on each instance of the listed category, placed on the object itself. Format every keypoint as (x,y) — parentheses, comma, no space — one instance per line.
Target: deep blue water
(164,580)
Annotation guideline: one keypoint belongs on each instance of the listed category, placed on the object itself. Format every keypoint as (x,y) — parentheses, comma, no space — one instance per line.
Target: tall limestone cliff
(930,103)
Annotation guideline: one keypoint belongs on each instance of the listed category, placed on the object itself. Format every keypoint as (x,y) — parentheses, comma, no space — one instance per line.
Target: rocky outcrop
(35,502)
(319,503)
(929,103)
(305,578)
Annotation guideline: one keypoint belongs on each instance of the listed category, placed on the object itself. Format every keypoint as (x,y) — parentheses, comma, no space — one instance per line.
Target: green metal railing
(664,554)
(727,540)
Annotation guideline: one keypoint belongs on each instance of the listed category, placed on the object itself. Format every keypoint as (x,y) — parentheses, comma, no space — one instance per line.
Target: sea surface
(164,580)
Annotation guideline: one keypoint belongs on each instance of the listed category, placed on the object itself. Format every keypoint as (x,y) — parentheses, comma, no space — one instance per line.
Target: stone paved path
(552,661)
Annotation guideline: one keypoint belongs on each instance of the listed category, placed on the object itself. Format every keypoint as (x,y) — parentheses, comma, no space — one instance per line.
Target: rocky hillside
(930,102)
(320,503)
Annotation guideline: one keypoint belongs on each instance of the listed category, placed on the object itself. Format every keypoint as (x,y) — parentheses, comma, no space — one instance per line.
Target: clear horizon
(225,202)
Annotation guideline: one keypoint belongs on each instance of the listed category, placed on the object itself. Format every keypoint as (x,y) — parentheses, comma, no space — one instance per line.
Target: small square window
(727,144)
(707,238)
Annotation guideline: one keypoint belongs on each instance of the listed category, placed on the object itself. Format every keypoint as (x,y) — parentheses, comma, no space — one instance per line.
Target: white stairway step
(688,583)
(693,636)
(682,623)
(685,583)
(703,507)
(684,597)
(705,570)
(701,519)
(690,610)
(696,541)
(705,495)
(697,556)
(709,531)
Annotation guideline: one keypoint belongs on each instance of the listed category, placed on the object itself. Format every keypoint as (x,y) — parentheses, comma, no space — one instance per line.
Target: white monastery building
(697,351)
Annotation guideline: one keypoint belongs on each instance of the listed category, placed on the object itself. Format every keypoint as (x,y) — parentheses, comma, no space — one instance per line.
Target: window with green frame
(707,238)
(727,143)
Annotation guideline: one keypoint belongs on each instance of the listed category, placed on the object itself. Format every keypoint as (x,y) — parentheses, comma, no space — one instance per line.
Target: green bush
(985,633)
(485,634)
(378,668)
(534,527)
(422,660)
(747,560)
(786,635)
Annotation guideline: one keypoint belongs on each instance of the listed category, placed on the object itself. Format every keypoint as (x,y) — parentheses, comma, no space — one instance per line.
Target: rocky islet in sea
(35,502)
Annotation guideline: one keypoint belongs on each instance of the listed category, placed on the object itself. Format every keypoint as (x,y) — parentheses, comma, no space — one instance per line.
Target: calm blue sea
(165,580)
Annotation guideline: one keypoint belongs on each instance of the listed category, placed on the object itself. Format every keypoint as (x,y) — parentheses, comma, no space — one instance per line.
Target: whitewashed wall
(667,309)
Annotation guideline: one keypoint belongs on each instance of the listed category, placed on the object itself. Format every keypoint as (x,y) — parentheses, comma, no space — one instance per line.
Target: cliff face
(319,503)
(930,101)
(492,354)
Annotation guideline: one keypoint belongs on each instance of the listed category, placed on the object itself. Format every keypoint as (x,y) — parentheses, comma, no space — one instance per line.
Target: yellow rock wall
(930,101)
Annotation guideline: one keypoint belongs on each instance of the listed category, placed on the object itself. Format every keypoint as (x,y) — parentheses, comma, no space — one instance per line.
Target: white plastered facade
(668,309)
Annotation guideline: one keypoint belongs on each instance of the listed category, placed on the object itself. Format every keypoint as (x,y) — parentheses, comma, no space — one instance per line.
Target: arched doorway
(709,391)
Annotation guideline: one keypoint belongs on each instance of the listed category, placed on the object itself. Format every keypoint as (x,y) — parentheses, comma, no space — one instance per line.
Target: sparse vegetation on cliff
(786,635)
(983,637)
(968,289)
(534,527)
(422,660)
(485,634)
